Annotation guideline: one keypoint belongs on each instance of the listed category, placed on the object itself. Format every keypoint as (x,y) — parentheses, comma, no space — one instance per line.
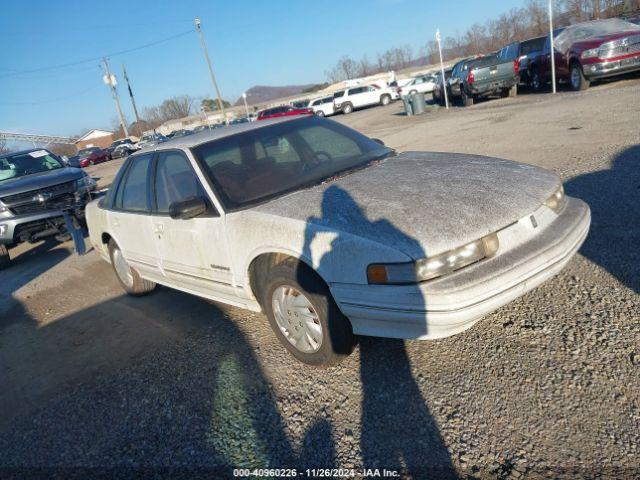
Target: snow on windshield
(595,28)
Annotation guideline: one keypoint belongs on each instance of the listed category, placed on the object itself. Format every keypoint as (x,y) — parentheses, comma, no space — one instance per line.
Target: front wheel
(304,316)
(385,100)
(129,279)
(347,109)
(320,113)
(578,80)
(5,259)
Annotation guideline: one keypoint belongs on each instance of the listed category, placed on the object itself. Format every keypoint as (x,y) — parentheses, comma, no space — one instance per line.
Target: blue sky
(251,42)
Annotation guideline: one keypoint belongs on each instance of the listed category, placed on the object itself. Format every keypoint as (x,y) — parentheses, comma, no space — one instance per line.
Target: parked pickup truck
(586,52)
(484,76)
(35,187)
(523,51)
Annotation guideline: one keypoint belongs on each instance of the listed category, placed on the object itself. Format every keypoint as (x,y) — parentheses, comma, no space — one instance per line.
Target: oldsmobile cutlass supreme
(332,234)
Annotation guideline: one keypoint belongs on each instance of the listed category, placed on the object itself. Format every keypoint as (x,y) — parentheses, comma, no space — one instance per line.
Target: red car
(284,111)
(586,52)
(92,155)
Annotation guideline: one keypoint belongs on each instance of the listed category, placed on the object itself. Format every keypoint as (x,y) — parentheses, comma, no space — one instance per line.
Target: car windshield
(27,163)
(595,28)
(267,162)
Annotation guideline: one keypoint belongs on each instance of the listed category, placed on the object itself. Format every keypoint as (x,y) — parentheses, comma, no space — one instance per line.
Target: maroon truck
(587,52)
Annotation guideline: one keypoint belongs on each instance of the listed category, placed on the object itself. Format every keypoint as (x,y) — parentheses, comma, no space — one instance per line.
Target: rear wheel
(578,80)
(347,108)
(320,113)
(5,259)
(304,316)
(536,80)
(385,100)
(513,91)
(467,100)
(131,282)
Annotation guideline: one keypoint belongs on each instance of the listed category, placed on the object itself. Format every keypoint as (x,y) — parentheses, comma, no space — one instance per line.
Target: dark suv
(35,187)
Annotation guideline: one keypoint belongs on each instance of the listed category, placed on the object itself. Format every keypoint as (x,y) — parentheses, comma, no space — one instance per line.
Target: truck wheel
(304,316)
(513,91)
(385,100)
(578,80)
(320,113)
(131,282)
(5,260)
(467,100)
(347,108)
(536,80)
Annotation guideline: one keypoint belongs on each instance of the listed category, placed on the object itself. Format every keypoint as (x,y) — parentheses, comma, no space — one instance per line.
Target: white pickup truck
(347,100)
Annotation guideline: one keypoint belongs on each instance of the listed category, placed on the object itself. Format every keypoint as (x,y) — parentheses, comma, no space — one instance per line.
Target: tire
(385,100)
(467,100)
(536,81)
(135,285)
(5,259)
(329,339)
(412,92)
(347,108)
(578,81)
(320,113)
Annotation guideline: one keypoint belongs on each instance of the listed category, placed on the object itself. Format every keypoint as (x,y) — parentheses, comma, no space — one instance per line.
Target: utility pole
(213,77)
(553,47)
(111,81)
(133,101)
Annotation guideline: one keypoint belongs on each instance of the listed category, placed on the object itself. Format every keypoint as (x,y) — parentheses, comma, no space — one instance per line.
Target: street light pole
(246,107)
(111,81)
(444,80)
(553,51)
(213,77)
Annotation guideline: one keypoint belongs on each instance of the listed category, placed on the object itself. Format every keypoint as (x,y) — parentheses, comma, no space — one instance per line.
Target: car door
(129,218)
(357,97)
(193,252)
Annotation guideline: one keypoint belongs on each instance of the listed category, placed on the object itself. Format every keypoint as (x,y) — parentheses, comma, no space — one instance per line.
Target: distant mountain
(264,93)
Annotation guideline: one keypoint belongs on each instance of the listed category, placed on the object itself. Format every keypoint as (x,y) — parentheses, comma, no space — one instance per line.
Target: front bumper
(453,303)
(611,68)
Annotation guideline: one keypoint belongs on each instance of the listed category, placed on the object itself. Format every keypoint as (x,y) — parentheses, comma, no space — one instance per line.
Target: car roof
(22,152)
(205,136)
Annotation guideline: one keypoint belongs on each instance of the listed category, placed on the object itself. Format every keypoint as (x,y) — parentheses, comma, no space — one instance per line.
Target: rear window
(338,94)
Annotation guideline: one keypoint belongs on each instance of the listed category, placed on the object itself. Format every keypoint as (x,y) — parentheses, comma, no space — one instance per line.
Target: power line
(99,58)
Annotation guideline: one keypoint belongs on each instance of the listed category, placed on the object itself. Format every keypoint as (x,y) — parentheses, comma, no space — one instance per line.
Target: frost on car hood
(422,203)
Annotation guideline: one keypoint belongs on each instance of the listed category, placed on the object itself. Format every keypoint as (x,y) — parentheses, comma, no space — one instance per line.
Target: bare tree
(177,107)
(3,146)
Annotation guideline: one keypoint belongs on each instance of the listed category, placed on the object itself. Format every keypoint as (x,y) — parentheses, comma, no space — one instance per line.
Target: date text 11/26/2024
(316,472)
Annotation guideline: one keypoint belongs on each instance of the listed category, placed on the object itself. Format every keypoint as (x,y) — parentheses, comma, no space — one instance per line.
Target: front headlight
(3,209)
(433,267)
(557,201)
(85,183)
(591,53)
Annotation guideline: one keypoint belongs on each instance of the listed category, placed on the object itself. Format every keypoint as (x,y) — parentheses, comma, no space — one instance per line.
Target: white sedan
(332,234)
(421,84)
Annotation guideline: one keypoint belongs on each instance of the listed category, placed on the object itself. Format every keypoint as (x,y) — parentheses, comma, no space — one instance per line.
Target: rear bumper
(491,87)
(599,70)
(454,303)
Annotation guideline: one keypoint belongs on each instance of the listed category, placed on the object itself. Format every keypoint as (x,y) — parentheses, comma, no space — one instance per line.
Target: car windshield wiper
(348,171)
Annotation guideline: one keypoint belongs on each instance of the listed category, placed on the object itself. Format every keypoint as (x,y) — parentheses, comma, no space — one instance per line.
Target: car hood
(39,180)
(422,203)
(596,41)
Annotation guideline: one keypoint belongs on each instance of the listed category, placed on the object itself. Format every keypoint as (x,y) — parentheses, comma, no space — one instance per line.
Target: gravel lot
(548,386)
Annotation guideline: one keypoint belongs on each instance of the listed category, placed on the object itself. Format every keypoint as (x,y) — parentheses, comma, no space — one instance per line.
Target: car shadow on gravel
(398,431)
(614,198)
(164,386)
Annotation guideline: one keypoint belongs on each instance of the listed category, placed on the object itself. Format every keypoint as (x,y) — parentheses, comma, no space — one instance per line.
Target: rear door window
(133,192)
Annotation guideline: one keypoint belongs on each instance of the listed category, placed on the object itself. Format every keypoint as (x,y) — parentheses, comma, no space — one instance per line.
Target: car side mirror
(188,208)
(377,140)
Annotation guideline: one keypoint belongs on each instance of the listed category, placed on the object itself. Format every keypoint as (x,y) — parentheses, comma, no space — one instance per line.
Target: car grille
(55,197)
(623,46)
